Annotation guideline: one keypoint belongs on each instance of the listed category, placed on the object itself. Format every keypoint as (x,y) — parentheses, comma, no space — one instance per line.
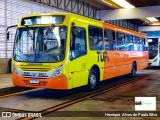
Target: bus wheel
(92,80)
(133,71)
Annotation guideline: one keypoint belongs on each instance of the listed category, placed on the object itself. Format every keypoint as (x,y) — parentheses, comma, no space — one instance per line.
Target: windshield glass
(153,47)
(40,44)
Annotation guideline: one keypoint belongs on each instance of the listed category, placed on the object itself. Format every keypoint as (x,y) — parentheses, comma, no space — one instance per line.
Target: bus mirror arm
(7,32)
(8,35)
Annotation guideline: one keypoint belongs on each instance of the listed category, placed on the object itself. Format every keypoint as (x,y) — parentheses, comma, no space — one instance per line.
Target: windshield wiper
(29,34)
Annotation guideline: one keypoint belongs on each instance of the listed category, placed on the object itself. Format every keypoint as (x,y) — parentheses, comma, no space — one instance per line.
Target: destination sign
(35,20)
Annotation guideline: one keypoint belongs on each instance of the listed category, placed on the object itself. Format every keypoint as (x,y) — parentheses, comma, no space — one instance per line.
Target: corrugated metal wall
(10,12)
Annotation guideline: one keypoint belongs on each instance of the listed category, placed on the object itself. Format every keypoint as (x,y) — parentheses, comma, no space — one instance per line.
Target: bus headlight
(57,71)
(15,69)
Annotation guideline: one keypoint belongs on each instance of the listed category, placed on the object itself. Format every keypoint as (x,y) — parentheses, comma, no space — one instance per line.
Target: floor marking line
(19,93)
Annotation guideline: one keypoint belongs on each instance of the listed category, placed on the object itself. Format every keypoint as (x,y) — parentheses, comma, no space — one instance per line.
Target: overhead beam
(149,28)
(132,13)
(74,6)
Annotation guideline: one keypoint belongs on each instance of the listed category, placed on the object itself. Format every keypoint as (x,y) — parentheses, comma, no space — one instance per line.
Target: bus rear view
(154,49)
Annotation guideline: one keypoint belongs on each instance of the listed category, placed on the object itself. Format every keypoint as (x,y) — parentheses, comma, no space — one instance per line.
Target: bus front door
(78,57)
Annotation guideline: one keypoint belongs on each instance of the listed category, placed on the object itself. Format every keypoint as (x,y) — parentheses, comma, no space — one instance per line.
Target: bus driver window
(77,43)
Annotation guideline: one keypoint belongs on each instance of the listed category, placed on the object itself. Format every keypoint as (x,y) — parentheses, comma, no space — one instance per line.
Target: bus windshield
(153,48)
(40,44)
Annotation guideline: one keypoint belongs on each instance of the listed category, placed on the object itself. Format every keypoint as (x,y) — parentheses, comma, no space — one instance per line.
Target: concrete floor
(119,99)
(5,81)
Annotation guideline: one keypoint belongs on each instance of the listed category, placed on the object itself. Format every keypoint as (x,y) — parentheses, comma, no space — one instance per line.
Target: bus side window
(146,44)
(129,42)
(95,38)
(120,41)
(78,43)
(140,44)
(143,43)
(136,43)
(109,39)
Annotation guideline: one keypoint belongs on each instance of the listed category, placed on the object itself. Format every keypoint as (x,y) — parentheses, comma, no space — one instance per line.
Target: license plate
(34,81)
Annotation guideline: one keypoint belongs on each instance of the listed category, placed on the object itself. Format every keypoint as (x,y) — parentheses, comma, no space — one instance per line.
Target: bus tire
(92,80)
(133,70)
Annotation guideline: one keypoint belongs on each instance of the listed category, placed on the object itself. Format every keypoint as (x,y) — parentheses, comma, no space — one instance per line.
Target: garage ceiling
(137,3)
(98,4)
(144,3)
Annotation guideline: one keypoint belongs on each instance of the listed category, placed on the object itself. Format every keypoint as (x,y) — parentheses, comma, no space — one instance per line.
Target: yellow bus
(65,51)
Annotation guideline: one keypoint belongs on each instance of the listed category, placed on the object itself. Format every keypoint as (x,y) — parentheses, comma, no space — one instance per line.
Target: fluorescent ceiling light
(155,23)
(107,2)
(152,19)
(123,3)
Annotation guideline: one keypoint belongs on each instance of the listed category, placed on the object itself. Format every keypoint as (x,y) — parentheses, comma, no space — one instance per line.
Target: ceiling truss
(74,6)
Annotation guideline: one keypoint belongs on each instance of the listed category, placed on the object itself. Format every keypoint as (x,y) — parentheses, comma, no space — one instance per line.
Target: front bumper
(59,82)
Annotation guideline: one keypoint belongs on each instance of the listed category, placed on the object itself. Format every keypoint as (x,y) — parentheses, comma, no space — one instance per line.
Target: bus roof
(87,20)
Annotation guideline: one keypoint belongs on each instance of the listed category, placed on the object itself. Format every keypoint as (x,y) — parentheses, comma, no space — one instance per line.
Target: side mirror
(8,31)
(52,26)
(8,35)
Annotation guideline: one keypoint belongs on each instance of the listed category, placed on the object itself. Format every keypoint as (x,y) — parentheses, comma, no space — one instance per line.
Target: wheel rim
(93,81)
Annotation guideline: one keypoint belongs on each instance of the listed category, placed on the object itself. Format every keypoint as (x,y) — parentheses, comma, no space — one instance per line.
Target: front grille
(36,68)
(41,83)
